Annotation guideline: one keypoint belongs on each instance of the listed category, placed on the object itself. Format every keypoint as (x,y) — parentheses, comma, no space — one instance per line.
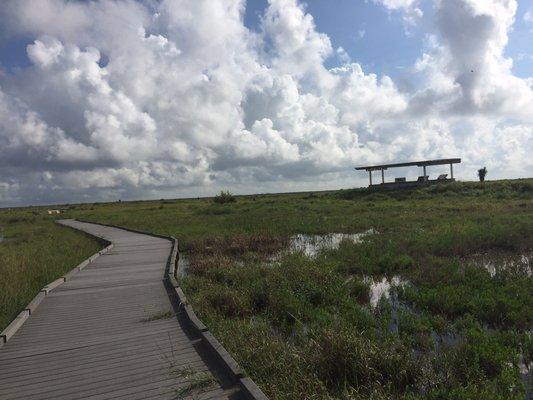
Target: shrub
(224,197)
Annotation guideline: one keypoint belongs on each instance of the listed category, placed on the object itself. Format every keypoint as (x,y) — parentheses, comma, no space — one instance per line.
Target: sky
(122,99)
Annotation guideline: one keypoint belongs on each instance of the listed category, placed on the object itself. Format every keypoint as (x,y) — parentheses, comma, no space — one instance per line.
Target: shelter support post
(382,176)
(424,172)
(451,170)
(370,176)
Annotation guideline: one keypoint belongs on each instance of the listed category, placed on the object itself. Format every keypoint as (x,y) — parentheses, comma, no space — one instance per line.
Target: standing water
(183,265)
(381,288)
(521,264)
(311,245)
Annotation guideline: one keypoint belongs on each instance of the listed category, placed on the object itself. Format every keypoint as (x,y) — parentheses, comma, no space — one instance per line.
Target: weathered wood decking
(98,335)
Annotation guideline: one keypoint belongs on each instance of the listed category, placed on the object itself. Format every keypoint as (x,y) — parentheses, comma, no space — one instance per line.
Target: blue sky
(367,32)
(520,46)
(381,42)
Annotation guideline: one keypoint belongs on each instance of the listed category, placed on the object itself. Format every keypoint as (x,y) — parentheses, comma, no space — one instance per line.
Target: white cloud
(466,69)
(397,4)
(343,56)
(409,8)
(189,100)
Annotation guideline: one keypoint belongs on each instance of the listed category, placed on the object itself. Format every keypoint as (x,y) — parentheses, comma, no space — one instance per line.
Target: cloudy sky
(124,99)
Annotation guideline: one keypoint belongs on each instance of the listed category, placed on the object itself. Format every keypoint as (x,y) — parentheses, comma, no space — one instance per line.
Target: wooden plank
(32,306)
(52,285)
(14,326)
(224,357)
(93,334)
(250,390)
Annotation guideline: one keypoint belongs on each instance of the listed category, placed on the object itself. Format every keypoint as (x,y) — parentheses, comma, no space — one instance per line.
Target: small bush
(224,197)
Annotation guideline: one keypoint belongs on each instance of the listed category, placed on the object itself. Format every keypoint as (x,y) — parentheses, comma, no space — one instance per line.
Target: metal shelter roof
(411,164)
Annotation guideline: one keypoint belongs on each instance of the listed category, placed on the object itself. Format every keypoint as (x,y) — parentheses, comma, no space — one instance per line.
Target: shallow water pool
(311,245)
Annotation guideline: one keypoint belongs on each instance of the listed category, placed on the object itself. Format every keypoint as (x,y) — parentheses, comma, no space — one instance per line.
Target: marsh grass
(458,332)
(225,251)
(35,251)
(196,382)
(302,327)
(168,314)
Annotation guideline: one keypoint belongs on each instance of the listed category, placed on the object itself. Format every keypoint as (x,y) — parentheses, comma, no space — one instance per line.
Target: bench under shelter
(402,182)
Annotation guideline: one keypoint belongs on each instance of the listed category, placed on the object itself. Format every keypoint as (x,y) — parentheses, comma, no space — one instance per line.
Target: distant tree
(224,197)
(481,173)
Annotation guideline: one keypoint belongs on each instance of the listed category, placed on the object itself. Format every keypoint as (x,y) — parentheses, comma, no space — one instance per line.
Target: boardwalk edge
(249,388)
(19,320)
(14,326)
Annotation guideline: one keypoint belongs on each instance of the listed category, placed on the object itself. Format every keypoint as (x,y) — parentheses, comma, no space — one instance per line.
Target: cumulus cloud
(465,70)
(177,97)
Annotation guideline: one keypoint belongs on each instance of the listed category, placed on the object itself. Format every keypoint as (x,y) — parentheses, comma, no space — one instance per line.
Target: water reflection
(520,265)
(311,245)
(526,373)
(381,288)
(183,265)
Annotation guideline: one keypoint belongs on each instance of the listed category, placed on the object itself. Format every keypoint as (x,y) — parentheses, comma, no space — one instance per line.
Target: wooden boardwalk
(110,332)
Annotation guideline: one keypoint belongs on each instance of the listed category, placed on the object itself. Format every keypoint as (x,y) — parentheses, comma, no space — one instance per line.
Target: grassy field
(34,251)
(456,323)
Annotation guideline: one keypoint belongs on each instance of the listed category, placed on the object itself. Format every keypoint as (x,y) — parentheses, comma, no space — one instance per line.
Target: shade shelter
(400,182)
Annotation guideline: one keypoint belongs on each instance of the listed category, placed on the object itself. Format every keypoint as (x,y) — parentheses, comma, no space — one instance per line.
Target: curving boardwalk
(110,332)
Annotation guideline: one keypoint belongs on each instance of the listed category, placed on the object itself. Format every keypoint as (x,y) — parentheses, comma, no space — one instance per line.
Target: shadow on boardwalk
(113,330)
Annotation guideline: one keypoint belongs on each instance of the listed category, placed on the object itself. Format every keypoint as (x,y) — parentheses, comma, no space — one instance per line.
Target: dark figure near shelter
(481,173)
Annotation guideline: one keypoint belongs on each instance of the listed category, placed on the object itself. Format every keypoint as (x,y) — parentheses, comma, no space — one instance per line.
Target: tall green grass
(34,252)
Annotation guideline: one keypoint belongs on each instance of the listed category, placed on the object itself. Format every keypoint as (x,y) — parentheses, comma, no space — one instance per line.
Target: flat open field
(433,300)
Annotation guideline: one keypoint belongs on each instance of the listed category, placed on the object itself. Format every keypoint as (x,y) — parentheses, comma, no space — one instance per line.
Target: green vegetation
(159,315)
(196,382)
(224,197)
(302,327)
(35,251)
